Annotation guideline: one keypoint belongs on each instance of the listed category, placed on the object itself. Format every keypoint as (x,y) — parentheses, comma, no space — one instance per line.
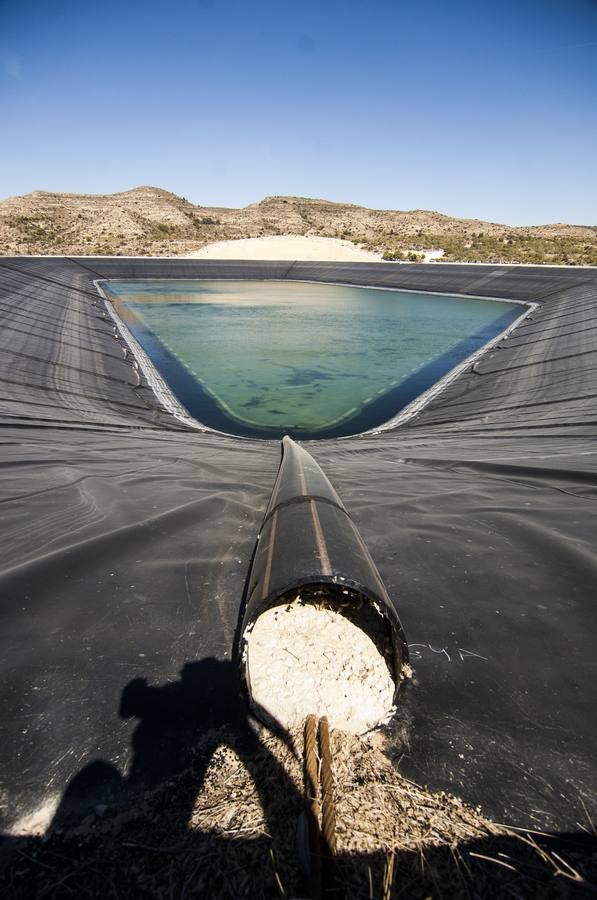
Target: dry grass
(232,827)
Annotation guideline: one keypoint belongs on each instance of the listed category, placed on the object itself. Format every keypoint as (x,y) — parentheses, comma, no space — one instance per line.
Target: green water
(307,359)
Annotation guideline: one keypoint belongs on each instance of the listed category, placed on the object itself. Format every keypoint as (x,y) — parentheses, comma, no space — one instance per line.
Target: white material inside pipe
(304,658)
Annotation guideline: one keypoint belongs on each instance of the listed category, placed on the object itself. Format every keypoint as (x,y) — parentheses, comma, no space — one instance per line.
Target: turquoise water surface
(266,358)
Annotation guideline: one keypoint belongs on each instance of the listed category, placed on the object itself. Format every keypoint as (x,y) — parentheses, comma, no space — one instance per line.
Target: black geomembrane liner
(127,536)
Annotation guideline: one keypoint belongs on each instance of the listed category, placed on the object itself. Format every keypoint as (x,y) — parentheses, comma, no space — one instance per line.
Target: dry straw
(231,827)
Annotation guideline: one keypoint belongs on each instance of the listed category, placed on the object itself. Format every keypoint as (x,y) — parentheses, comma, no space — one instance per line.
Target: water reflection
(310,360)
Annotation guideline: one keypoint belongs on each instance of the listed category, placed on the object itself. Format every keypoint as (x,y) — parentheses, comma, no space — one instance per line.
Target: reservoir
(267,358)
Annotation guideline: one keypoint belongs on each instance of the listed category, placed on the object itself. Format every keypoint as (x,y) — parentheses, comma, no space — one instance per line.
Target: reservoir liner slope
(160,388)
(127,534)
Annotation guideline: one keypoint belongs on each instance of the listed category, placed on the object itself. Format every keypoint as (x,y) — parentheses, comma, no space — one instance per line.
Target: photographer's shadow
(181,724)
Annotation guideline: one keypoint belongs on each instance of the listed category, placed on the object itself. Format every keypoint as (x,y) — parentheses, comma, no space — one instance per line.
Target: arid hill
(148,221)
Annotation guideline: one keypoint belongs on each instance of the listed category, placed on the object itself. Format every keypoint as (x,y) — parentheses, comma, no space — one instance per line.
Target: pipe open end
(323,649)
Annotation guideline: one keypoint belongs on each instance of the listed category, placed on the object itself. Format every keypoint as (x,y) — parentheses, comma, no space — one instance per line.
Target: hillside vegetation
(148,221)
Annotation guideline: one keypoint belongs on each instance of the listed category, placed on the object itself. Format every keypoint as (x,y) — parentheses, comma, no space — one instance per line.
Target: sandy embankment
(287,246)
(293,247)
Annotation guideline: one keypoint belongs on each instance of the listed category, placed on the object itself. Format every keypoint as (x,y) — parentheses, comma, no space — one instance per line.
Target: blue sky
(471,108)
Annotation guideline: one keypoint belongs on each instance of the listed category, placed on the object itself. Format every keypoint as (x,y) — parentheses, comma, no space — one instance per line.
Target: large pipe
(308,538)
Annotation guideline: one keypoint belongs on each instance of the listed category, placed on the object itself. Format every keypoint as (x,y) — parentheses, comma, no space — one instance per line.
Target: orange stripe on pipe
(321,545)
(270,553)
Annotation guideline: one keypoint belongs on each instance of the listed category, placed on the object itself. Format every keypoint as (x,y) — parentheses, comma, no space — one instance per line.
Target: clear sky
(471,108)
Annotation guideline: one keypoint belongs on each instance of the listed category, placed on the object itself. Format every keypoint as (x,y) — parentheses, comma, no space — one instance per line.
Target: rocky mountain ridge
(149,221)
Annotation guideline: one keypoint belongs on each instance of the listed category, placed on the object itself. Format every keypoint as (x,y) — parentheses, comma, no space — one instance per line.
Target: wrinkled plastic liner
(127,538)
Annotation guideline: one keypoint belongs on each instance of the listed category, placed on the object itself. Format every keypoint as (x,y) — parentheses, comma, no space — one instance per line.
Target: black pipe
(308,538)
